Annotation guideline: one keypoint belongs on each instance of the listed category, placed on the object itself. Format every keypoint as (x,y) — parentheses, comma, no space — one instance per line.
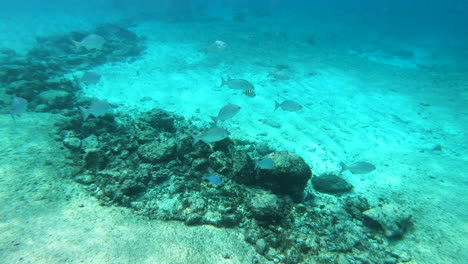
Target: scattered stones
(332,184)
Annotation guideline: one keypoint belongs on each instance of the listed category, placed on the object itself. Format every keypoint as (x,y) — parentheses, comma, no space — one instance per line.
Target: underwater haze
(233,131)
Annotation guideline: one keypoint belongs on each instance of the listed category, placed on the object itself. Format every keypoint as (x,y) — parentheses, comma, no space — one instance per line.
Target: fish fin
(78,45)
(84,113)
(215,120)
(343,167)
(277,105)
(223,82)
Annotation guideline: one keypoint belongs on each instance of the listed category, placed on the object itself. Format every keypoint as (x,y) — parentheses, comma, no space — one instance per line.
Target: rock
(84,179)
(90,142)
(95,159)
(158,151)
(261,246)
(55,98)
(266,207)
(356,206)
(332,184)
(72,143)
(289,176)
(393,219)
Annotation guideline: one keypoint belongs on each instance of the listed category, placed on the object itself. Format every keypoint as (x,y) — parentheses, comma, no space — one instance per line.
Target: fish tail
(343,167)
(78,45)
(195,140)
(13,116)
(223,82)
(84,113)
(215,120)
(277,105)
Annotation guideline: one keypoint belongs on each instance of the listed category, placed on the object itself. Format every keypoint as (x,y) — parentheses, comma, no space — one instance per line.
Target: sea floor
(400,106)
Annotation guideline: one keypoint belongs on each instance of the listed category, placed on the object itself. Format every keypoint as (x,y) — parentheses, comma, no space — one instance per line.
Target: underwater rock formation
(330,183)
(289,175)
(393,219)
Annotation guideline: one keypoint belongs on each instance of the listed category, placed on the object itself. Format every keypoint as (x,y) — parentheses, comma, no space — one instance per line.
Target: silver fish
(360,167)
(211,135)
(289,105)
(226,112)
(90,42)
(265,164)
(18,107)
(97,109)
(90,78)
(238,84)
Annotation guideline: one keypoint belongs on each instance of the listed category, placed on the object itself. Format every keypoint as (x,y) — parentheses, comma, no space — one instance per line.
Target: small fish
(90,78)
(211,135)
(18,107)
(238,84)
(289,105)
(97,109)
(90,42)
(265,164)
(226,112)
(217,46)
(250,93)
(360,167)
(279,75)
(214,179)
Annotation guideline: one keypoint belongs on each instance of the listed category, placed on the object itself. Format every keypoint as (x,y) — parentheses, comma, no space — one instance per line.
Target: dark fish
(250,93)
(18,107)
(90,78)
(226,112)
(215,179)
(265,164)
(211,135)
(97,109)
(90,42)
(289,105)
(238,84)
(360,167)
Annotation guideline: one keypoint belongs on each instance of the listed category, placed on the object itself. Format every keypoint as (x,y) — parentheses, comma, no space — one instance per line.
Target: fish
(90,42)
(214,179)
(360,167)
(279,75)
(238,84)
(289,105)
(97,109)
(250,93)
(211,135)
(18,107)
(227,112)
(90,78)
(216,46)
(265,164)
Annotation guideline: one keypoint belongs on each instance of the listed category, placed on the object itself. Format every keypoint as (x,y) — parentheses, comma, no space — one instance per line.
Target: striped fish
(250,93)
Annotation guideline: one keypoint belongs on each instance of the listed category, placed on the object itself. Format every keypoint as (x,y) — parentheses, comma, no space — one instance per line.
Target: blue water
(384,82)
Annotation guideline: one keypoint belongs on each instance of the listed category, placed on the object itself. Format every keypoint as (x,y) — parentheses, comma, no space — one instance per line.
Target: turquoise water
(358,112)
